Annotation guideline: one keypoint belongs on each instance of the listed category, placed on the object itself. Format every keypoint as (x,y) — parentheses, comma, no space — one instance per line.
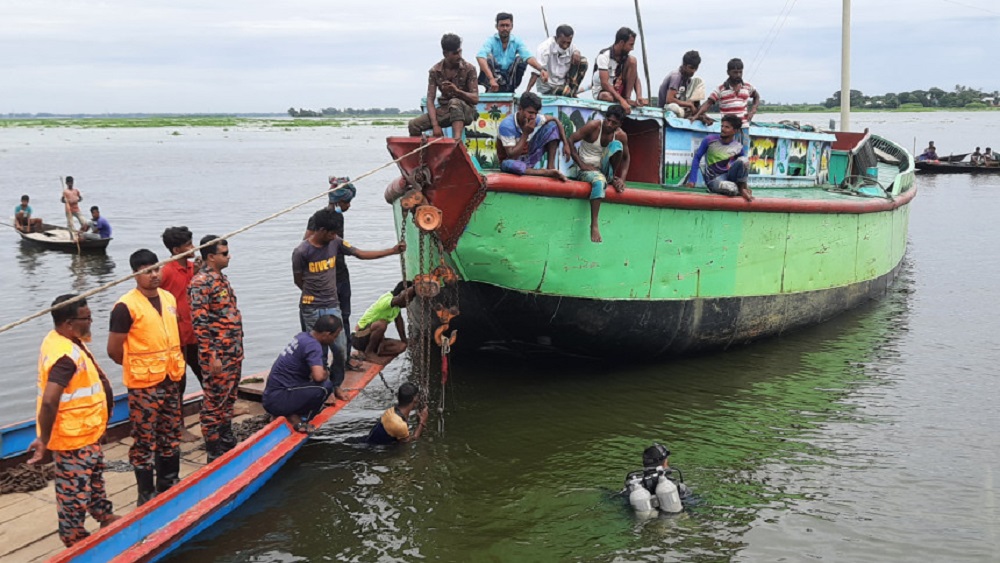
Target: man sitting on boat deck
(23,221)
(990,158)
(681,92)
(392,427)
(72,198)
(99,226)
(567,68)
(369,336)
(930,153)
(525,136)
(75,399)
(616,73)
(144,340)
(314,263)
(456,80)
(726,166)
(733,97)
(976,159)
(602,157)
(299,383)
(504,57)
(218,329)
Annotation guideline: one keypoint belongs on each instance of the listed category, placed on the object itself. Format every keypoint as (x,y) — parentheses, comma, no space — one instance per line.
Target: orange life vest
(153,346)
(83,408)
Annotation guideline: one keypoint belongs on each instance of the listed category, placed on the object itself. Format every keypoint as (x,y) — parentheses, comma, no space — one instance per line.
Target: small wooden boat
(60,238)
(206,493)
(954,157)
(942,167)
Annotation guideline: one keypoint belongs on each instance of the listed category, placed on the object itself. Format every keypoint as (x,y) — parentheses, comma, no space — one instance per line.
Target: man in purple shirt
(99,226)
(299,382)
(726,166)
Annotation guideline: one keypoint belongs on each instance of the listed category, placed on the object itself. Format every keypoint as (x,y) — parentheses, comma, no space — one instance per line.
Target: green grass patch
(226,123)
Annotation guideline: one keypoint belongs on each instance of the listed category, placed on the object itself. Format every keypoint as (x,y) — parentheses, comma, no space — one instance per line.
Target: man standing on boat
(726,166)
(456,80)
(72,198)
(175,277)
(74,400)
(218,329)
(504,57)
(145,341)
(299,383)
(23,221)
(563,60)
(616,73)
(314,264)
(733,97)
(602,157)
(525,136)
(681,91)
(392,427)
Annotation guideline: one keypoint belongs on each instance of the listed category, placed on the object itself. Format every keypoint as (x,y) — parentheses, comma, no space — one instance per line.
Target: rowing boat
(61,238)
(941,167)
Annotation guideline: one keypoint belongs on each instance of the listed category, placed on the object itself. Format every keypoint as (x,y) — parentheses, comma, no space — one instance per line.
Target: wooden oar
(46,233)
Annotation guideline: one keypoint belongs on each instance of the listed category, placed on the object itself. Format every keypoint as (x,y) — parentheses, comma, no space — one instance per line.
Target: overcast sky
(82,56)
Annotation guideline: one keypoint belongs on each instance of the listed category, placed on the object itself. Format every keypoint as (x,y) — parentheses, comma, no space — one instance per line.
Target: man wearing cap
(342,192)
(74,399)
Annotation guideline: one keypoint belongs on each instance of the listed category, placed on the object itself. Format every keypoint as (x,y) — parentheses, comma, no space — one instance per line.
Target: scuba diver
(656,486)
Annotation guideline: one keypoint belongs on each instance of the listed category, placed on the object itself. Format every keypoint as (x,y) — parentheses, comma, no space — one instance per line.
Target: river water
(870,438)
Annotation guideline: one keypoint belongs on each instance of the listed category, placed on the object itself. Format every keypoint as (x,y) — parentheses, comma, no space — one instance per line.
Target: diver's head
(654,456)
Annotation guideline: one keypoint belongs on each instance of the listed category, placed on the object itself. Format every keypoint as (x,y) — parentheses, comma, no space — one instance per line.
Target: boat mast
(845,68)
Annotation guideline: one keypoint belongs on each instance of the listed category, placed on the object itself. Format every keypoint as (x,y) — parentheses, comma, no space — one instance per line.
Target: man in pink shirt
(72,197)
(175,277)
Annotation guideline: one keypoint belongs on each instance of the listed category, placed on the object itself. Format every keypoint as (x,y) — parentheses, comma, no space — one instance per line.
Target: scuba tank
(667,496)
(639,498)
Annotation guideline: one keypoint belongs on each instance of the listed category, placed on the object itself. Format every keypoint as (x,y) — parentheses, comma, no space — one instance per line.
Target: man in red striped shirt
(732,96)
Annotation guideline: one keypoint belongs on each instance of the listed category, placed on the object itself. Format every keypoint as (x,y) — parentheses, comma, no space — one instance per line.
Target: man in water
(99,226)
(23,221)
(218,330)
(655,460)
(299,383)
(733,97)
(616,73)
(525,136)
(681,91)
(392,427)
(144,340)
(72,198)
(369,336)
(75,398)
(602,158)
(726,166)
(456,80)
(562,59)
(504,57)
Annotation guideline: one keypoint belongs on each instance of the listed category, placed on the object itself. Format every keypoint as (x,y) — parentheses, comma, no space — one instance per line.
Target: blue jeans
(308,317)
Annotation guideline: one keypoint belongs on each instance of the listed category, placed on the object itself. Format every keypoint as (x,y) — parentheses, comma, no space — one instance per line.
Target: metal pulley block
(445,275)
(428,218)
(411,199)
(446,314)
(426,285)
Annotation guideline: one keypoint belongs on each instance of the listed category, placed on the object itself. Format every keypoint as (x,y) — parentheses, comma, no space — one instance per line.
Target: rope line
(159,264)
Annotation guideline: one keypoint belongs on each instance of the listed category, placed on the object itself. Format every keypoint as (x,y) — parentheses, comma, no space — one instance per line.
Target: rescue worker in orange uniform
(145,341)
(74,399)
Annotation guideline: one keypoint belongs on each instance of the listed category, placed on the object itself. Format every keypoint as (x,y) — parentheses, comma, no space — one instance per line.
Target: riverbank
(203,121)
(809,108)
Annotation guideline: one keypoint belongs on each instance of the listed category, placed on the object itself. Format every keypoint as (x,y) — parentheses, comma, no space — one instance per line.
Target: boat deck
(28,523)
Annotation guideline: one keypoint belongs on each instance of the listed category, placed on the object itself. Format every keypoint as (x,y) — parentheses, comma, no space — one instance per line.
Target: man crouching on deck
(525,136)
(726,165)
(74,399)
(299,382)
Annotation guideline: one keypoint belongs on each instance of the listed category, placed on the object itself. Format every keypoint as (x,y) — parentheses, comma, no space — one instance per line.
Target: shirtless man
(602,158)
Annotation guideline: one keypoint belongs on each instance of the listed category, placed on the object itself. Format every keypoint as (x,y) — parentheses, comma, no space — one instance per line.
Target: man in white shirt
(563,60)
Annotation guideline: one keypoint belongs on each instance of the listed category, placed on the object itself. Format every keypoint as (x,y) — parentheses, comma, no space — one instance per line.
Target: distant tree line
(961,97)
(348,112)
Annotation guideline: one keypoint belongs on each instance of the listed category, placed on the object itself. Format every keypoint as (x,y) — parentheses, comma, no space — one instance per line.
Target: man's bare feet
(557,175)
(595,234)
(746,193)
(187,436)
(110,520)
(340,395)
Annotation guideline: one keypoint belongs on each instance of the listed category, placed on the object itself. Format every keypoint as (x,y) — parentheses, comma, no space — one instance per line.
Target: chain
(26,478)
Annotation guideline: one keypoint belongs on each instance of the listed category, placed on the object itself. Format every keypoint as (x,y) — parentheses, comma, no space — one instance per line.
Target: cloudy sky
(84,56)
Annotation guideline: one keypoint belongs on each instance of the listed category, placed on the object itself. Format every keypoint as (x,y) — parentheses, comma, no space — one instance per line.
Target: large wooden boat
(680,270)
(60,238)
(206,493)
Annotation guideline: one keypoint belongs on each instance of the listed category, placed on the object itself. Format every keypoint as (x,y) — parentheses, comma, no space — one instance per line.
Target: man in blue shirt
(299,383)
(23,221)
(99,226)
(504,57)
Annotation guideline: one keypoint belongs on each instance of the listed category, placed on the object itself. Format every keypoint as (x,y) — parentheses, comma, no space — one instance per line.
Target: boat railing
(891,153)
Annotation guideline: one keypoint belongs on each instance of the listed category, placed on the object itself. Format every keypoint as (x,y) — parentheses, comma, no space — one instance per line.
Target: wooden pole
(845,68)
(545,23)
(642,38)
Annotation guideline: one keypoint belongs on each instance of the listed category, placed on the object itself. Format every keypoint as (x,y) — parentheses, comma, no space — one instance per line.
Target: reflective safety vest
(153,346)
(83,408)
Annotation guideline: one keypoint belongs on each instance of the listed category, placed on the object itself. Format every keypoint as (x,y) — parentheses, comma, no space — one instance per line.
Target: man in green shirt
(369,335)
